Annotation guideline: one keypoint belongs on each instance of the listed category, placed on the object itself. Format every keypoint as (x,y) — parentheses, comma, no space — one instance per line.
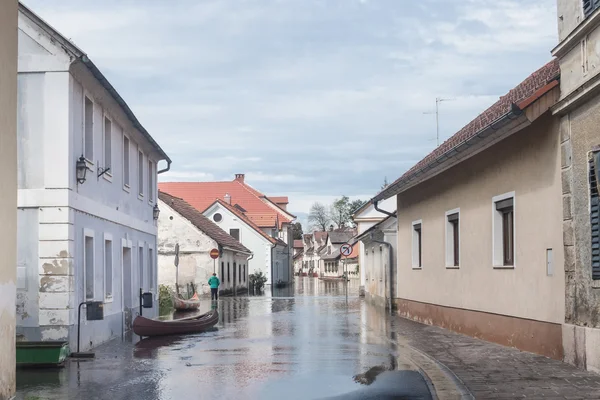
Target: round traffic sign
(214,254)
(346,249)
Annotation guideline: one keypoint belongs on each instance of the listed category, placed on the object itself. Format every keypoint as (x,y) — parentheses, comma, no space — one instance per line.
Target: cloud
(313,99)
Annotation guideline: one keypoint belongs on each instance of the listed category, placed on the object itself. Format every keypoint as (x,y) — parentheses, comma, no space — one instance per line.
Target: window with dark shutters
(595,216)
(589,6)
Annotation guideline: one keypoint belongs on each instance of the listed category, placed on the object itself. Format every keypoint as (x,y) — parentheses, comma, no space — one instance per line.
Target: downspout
(165,169)
(391,269)
(375,205)
(248,272)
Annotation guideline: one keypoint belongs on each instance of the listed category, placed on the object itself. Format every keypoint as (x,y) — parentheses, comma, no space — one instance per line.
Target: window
(217,217)
(503,231)
(228,273)
(88,124)
(244,273)
(595,215)
(589,6)
(235,233)
(151,283)
(140,173)
(417,261)
(150,181)
(108,269)
(240,273)
(88,257)
(126,164)
(452,238)
(107,144)
(222,270)
(141,264)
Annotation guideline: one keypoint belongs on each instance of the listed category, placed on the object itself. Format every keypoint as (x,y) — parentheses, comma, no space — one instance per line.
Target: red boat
(151,327)
(193,303)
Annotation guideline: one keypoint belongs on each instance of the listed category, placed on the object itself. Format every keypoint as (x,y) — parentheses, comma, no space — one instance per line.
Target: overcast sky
(309,98)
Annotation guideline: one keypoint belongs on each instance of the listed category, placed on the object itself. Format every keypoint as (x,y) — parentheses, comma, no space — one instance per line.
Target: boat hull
(143,326)
(186,305)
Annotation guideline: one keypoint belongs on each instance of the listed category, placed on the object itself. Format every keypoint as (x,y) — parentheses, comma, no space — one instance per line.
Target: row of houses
(318,254)
(495,233)
(89,220)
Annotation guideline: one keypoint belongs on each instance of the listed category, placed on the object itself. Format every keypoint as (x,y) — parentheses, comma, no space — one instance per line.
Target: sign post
(345,251)
(214,254)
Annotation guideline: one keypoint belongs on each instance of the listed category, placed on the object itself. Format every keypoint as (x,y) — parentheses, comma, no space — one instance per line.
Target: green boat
(42,354)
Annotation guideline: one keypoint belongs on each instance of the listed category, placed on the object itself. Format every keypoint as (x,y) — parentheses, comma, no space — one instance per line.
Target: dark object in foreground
(143,326)
(392,385)
(42,354)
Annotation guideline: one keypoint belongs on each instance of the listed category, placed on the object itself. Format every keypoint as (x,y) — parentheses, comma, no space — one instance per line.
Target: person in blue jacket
(214,283)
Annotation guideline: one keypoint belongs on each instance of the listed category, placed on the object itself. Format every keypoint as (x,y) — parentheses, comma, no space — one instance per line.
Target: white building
(180,223)
(271,255)
(79,240)
(366,217)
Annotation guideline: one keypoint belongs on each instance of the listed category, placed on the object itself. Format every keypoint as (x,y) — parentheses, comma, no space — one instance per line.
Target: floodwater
(314,340)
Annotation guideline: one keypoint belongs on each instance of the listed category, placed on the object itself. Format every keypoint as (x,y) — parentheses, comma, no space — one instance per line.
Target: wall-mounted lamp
(155,212)
(81,169)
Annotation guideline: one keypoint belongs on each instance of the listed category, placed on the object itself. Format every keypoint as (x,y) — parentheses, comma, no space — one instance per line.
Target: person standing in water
(214,283)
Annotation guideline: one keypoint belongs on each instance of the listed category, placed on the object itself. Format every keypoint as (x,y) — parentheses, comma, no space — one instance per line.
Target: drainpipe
(375,205)
(248,272)
(165,169)
(391,269)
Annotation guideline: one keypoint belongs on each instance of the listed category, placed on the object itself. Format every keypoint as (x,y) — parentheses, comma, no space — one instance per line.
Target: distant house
(365,218)
(314,247)
(268,214)
(271,255)
(181,224)
(378,262)
(480,225)
(87,173)
(298,256)
(336,264)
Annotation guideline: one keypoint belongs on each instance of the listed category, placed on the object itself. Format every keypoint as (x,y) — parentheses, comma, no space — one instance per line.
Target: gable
(173,229)
(28,46)
(369,211)
(37,50)
(219,208)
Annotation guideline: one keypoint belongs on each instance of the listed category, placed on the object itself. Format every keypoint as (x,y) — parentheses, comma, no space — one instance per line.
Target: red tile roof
(203,194)
(201,222)
(244,218)
(530,87)
(298,244)
(320,235)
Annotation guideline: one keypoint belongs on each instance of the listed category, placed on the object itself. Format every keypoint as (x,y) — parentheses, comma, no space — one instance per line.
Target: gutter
(391,270)
(396,188)
(376,206)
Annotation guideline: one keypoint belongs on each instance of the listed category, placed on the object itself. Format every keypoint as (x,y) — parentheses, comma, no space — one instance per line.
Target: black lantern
(81,168)
(155,212)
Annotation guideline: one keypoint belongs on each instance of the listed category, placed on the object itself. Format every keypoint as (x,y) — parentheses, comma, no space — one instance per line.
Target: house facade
(181,224)
(379,261)
(270,254)
(579,112)
(335,265)
(87,172)
(365,218)
(267,213)
(315,247)
(8,195)
(476,252)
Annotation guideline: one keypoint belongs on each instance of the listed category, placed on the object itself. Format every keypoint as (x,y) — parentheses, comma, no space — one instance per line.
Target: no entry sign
(214,254)
(346,250)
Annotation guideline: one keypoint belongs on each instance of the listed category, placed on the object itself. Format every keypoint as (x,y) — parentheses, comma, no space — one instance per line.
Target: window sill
(452,266)
(595,284)
(140,197)
(89,163)
(417,268)
(504,267)
(108,299)
(107,177)
(126,188)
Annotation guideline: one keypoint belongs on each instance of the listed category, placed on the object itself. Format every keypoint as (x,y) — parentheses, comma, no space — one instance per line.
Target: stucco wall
(569,14)
(571,72)
(527,163)
(8,195)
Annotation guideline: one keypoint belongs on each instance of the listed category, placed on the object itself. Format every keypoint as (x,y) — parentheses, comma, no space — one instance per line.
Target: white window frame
(450,240)
(108,238)
(107,175)
(415,244)
(151,179)
(140,183)
(126,244)
(141,265)
(88,233)
(126,186)
(497,244)
(87,95)
(151,263)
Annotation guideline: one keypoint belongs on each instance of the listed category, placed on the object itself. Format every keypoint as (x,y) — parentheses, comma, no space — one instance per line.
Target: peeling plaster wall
(569,14)
(8,194)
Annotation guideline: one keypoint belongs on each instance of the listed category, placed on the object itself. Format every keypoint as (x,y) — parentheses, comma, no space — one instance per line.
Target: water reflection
(306,341)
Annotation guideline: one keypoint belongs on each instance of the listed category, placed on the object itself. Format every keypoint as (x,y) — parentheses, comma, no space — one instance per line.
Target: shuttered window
(595,215)
(589,6)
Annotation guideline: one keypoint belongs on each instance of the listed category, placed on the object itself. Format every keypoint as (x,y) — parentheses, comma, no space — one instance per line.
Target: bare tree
(319,217)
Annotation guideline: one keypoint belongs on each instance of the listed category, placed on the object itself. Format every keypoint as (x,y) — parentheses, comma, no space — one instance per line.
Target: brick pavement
(491,371)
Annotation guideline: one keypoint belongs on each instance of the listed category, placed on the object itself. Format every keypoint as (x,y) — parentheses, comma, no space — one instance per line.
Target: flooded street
(305,342)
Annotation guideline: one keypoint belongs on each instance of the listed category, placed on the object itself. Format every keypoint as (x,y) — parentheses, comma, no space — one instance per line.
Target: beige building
(8,195)
(480,247)
(578,109)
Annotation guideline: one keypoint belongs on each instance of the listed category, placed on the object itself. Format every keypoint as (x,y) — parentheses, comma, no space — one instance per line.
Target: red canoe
(186,305)
(150,327)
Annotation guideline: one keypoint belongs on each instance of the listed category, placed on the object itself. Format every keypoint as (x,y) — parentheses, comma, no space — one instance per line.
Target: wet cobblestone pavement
(305,344)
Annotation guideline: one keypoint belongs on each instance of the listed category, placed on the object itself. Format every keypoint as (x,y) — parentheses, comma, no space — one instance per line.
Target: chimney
(330,228)
(239,177)
(227,198)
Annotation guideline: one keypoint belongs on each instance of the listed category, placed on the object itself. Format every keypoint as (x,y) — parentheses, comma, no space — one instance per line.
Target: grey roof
(338,237)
